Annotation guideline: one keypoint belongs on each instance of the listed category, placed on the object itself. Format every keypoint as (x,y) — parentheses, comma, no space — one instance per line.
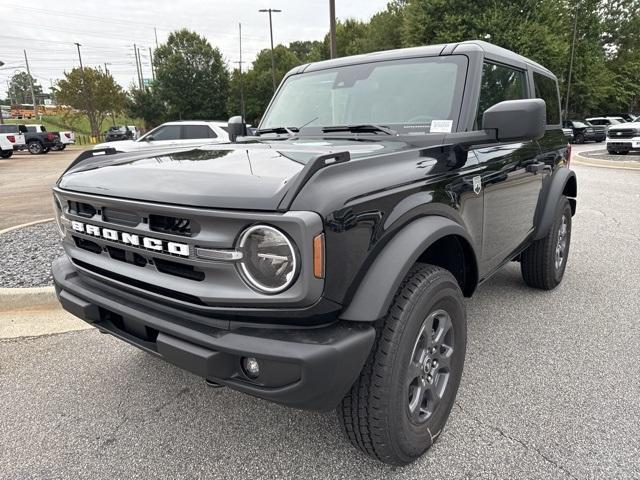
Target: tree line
(193,80)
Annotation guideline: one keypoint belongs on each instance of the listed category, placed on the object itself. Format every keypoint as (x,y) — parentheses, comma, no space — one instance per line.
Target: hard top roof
(491,52)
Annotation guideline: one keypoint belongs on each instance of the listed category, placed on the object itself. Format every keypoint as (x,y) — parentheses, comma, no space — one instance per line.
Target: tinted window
(398,93)
(546,88)
(190,132)
(168,132)
(499,83)
(31,129)
(8,129)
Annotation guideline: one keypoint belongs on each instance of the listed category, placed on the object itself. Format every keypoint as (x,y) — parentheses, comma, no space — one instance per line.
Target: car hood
(625,126)
(252,176)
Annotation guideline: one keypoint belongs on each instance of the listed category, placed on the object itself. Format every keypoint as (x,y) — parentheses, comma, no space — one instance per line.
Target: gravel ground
(604,155)
(26,255)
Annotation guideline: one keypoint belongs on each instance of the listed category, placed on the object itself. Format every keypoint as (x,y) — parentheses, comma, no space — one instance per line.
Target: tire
(382,414)
(6,154)
(623,152)
(544,262)
(35,147)
(579,138)
(612,152)
(62,147)
(46,149)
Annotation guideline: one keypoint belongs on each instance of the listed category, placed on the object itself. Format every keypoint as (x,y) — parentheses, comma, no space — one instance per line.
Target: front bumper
(623,144)
(310,368)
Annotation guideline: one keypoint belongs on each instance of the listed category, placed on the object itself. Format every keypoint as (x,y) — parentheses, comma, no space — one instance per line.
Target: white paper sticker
(441,126)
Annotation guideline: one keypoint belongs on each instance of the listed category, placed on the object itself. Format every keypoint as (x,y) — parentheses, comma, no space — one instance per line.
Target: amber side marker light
(318,256)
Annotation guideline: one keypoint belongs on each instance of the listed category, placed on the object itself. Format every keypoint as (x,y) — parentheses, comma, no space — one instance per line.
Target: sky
(107,31)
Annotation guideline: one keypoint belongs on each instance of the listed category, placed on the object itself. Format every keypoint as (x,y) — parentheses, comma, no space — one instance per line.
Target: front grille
(178,269)
(138,284)
(174,225)
(87,245)
(627,133)
(82,209)
(120,217)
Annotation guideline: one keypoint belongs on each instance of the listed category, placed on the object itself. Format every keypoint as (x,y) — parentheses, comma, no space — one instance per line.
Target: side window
(31,129)
(191,132)
(546,88)
(168,132)
(499,83)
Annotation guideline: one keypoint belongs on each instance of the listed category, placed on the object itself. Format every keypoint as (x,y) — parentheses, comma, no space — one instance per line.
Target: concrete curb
(596,162)
(16,227)
(15,298)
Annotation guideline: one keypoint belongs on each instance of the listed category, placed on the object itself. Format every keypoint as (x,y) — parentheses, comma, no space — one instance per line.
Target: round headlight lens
(269,262)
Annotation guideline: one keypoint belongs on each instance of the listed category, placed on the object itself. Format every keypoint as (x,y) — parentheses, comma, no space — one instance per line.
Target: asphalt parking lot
(550,389)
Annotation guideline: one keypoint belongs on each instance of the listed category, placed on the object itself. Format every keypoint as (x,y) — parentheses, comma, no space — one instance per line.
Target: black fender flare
(550,199)
(379,285)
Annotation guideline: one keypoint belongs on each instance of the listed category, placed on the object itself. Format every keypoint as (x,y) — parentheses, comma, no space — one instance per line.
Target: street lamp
(1,116)
(273,61)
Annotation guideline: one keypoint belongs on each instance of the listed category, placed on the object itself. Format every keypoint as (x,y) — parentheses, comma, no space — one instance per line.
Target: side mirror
(148,138)
(516,120)
(236,128)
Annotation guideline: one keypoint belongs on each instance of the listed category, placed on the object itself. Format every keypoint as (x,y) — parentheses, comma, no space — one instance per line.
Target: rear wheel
(544,262)
(6,153)
(612,152)
(400,403)
(35,147)
(579,138)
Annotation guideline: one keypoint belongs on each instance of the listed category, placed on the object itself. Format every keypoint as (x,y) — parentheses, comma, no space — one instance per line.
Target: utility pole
(155,32)
(153,69)
(79,56)
(273,61)
(1,116)
(33,95)
(141,73)
(240,62)
(573,47)
(135,54)
(332,29)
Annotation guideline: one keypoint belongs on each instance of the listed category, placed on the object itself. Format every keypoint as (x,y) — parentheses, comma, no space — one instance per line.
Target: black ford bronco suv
(323,262)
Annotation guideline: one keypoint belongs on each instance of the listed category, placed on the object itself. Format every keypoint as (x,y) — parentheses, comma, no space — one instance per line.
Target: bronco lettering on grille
(132,239)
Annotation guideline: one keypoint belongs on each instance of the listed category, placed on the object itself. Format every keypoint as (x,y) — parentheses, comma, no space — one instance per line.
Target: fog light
(250,367)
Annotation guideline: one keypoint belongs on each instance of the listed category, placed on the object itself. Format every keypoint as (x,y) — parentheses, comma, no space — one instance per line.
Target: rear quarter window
(546,88)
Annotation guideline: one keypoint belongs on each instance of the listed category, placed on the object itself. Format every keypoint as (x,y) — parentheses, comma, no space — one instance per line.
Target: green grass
(77,123)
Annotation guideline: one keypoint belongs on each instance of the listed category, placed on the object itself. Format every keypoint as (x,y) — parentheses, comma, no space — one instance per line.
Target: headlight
(269,263)
(57,211)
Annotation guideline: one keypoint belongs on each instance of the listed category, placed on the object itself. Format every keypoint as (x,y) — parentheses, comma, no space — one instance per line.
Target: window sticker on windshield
(441,126)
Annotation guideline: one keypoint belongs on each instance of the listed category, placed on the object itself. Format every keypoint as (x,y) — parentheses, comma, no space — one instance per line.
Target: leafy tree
(146,104)
(21,90)
(191,77)
(92,92)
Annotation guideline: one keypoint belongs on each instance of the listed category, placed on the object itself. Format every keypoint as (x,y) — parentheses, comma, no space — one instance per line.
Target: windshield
(408,93)
(578,124)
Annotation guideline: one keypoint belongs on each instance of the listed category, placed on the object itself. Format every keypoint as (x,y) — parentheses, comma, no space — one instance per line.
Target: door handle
(538,167)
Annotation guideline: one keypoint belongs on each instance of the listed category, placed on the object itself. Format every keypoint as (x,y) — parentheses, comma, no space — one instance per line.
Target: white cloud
(108,30)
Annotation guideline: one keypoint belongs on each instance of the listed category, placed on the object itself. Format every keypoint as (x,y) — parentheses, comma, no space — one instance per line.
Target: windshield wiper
(291,131)
(360,128)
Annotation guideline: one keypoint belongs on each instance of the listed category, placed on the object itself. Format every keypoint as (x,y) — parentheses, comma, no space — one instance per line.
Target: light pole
(273,61)
(332,29)
(2,116)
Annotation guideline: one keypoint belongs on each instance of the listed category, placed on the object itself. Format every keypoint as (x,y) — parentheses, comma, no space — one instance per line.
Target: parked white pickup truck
(66,138)
(9,142)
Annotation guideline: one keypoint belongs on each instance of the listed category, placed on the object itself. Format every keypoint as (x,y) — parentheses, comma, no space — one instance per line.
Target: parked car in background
(605,122)
(36,142)
(185,133)
(568,133)
(584,132)
(119,132)
(66,138)
(628,117)
(134,131)
(10,142)
(623,138)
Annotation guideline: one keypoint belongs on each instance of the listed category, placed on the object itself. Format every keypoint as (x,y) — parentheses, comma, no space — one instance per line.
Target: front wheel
(400,403)
(579,138)
(544,262)
(35,148)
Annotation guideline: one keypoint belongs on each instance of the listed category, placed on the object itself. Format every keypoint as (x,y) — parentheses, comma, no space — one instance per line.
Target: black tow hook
(213,384)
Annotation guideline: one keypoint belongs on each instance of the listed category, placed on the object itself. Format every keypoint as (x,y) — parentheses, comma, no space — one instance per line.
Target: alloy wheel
(561,244)
(430,366)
